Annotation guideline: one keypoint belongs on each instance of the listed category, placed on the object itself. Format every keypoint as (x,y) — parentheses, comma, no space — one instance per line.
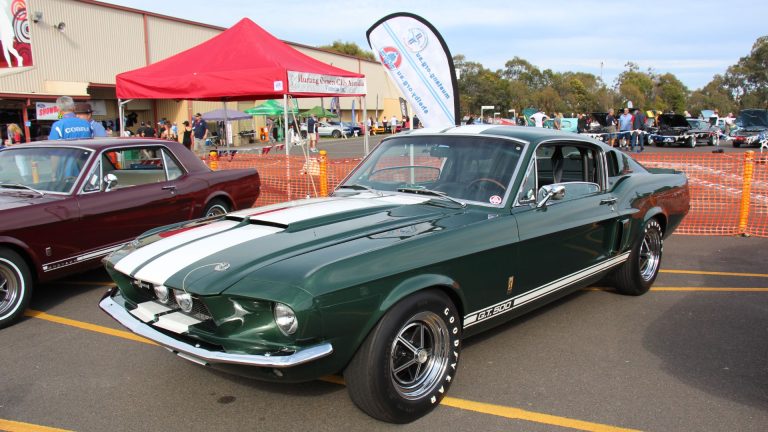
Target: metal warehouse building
(76,47)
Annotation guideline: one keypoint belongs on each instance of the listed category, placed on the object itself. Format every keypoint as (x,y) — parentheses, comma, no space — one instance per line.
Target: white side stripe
(534,294)
(133,261)
(159,270)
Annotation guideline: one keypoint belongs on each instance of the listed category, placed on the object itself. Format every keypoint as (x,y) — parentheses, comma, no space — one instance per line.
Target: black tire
(336,134)
(691,142)
(304,134)
(398,377)
(659,143)
(638,273)
(737,145)
(216,207)
(15,286)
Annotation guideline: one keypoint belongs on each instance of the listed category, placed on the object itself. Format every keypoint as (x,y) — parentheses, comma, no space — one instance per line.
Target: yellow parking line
(689,289)
(87,326)
(483,408)
(711,273)
(511,413)
(709,289)
(13,426)
(519,414)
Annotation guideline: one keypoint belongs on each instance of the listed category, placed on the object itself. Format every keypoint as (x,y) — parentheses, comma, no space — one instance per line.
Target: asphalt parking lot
(692,354)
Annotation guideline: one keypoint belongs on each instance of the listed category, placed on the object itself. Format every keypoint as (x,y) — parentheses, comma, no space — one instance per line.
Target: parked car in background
(354,128)
(328,129)
(67,204)
(705,132)
(674,129)
(439,234)
(753,128)
(566,124)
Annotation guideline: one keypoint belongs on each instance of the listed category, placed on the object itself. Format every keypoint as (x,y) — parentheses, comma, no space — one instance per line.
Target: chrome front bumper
(204,356)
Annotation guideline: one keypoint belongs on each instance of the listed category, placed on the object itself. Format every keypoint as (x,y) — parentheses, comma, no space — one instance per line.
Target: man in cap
(69,126)
(83,110)
(200,132)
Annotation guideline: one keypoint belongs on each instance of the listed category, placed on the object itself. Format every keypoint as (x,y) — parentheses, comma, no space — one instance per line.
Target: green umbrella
(269,108)
(320,112)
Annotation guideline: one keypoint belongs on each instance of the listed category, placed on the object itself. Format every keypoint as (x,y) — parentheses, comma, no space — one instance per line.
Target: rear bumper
(204,356)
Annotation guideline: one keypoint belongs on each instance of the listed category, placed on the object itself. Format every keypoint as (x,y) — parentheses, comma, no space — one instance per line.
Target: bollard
(746,191)
(214,160)
(35,173)
(323,173)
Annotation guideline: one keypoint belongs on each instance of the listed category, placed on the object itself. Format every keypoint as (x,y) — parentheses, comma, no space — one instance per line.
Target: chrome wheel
(419,355)
(10,287)
(650,252)
(216,210)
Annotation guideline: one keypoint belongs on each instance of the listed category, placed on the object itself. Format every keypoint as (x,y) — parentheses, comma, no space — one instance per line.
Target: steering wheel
(489,180)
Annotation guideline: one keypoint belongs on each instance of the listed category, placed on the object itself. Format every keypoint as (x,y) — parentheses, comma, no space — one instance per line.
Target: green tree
(747,80)
(349,48)
(671,94)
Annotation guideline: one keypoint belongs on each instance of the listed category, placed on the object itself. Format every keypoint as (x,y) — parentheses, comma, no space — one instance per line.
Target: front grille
(199,309)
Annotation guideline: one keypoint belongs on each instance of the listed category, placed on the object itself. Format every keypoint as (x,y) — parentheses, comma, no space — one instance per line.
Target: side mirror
(110,181)
(555,192)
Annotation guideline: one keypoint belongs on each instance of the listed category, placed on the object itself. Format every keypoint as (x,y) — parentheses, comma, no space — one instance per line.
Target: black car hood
(673,121)
(753,119)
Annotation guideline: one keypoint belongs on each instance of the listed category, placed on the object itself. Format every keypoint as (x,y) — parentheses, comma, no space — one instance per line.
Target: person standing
(393,124)
(186,137)
(625,125)
(538,119)
(312,132)
(610,123)
(368,125)
(174,132)
(84,111)
(558,122)
(14,134)
(638,131)
(416,122)
(69,126)
(200,133)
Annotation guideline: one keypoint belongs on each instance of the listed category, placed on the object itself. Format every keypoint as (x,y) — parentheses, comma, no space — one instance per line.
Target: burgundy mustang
(67,204)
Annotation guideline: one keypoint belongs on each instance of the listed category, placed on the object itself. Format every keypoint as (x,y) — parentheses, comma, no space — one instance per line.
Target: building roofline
(210,26)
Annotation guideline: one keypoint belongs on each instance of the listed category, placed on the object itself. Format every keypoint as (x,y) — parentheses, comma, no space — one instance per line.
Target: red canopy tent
(244,62)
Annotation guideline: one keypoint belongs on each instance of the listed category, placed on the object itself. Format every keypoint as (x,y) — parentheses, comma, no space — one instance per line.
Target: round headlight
(161,292)
(285,319)
(184,300)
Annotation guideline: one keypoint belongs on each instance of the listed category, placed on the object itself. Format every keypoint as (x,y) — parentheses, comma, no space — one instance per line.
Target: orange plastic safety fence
(717,185)
(716,181)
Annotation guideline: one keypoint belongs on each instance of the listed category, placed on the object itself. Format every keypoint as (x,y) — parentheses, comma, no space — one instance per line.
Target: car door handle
(608,201)
(170,188)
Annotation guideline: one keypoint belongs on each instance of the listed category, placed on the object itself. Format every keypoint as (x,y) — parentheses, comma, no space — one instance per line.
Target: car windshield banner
(419,62)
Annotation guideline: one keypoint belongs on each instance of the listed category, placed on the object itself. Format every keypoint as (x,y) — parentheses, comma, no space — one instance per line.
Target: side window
(94,179)
(136,166)
(574,166)
(618,166)
(527,192)
(172,168)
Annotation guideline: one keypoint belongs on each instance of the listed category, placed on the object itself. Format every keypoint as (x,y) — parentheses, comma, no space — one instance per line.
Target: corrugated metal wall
(100,42)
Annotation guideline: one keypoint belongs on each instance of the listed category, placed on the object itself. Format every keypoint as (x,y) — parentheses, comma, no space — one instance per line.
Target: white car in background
(334,130)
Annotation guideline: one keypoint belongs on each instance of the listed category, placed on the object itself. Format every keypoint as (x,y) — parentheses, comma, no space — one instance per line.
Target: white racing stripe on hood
(159,270)
(289,215)
(132,261)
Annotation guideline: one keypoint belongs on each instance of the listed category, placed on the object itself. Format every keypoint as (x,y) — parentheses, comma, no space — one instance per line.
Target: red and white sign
(46,111)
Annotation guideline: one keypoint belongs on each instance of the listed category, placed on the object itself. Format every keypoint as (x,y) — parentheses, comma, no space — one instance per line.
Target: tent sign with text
(418,60)
(306,82)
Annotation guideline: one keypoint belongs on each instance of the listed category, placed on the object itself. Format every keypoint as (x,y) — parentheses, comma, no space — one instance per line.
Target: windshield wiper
(430,192)
(357,186)
(20,186)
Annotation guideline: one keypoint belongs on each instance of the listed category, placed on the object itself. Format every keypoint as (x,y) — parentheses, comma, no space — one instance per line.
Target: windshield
(46,169)
(466,168)
(752,118)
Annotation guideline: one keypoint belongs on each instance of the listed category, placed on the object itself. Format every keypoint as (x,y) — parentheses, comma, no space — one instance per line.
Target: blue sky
(692,39)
